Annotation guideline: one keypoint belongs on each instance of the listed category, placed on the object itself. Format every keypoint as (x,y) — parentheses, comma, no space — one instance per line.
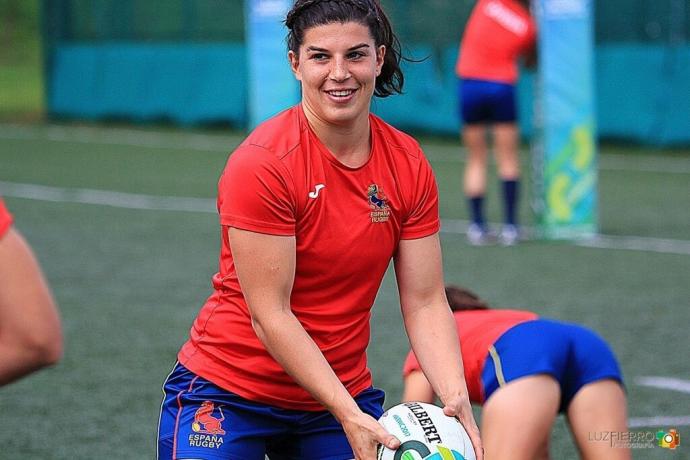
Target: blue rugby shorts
(484,101)
(201,421)
(570,353)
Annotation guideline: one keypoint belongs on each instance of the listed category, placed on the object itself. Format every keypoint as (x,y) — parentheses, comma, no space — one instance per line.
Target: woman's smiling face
(337,65)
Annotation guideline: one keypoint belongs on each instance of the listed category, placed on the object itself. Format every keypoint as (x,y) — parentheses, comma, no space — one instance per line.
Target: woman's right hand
(365,433)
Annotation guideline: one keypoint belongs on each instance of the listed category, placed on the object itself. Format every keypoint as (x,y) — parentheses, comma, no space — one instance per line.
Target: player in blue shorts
(524,371)
(498,33)
(313,206)
(217,424)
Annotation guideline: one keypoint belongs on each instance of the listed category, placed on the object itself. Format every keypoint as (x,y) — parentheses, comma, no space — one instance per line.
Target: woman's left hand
(459,407)
(364,434)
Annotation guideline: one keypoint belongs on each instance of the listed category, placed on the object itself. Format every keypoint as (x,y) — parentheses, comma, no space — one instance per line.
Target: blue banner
(271,85)
(564,149)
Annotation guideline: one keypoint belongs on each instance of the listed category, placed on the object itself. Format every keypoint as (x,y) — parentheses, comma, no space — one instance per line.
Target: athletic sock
(510,199)
(476,205)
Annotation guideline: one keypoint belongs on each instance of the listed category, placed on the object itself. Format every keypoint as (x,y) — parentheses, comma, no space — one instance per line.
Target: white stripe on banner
(664,383)
(208,205)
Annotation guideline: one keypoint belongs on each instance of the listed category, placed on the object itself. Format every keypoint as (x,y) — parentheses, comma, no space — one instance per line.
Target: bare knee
(474,138)
(507,151)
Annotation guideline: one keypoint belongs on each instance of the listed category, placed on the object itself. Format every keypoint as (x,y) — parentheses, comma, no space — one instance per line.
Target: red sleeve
(5,219)
(411,364)
(423,219)
(255,193)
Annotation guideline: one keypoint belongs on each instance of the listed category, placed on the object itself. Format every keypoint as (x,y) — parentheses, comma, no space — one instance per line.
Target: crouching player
(524,371)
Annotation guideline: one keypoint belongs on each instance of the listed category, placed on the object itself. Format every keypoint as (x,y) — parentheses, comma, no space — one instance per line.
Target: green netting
(642,21)
(145,20)
(185,60)
(435,22)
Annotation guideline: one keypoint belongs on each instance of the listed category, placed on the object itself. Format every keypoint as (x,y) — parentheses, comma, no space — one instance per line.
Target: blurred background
(116,118)
(184,61)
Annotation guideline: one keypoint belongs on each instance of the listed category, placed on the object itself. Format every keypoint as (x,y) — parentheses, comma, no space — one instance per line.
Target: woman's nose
(339,70)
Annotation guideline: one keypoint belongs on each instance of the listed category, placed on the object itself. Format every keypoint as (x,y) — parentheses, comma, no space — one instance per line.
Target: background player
(497,34)
(524,370)
(313,205)
(30,333)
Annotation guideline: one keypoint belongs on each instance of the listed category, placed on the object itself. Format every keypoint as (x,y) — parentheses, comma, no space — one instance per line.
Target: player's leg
(474,179)
(600,407)
(506,140)
(474,182)
(594,397)
(201,421)
(506,148)
(472,95)
(518,417)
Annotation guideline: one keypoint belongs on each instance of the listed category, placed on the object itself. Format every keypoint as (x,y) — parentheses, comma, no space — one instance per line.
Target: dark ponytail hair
(306,14)
(461,299)
(526,3)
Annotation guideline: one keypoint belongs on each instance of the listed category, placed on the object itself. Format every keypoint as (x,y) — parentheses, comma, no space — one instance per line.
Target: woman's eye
(319,56)
(355,55)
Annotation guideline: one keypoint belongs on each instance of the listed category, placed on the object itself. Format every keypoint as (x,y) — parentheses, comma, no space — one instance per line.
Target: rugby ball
(425,433)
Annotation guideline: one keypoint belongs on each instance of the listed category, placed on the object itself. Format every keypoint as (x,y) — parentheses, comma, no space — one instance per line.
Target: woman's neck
(349,143)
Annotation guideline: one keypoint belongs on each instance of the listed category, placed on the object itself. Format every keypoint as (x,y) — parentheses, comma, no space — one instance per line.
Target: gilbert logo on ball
(425,433)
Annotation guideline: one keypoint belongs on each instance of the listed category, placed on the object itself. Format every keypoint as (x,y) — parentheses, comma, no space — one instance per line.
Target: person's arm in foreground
(30,333)
(431,328)
(265,267)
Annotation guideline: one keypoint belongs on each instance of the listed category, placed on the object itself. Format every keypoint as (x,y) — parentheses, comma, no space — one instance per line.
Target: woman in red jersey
(524,370)
(313,206)
(30,333)
(497,34)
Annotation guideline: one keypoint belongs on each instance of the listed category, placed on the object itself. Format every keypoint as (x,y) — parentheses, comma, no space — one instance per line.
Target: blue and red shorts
(483,101)
(201,421)
(571,354)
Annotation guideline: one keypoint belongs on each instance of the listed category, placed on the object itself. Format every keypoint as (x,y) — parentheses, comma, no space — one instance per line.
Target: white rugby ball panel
(425,433)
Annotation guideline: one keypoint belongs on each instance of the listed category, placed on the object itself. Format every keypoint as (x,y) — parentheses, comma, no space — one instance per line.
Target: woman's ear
(294,64)
(380,56)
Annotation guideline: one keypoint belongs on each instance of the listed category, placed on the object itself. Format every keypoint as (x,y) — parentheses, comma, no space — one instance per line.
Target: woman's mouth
(341,95)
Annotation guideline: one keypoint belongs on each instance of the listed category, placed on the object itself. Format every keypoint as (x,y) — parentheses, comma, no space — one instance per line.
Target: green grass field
(130,281)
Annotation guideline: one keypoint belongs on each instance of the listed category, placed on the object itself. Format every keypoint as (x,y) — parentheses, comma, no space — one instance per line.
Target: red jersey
(347,222)
(497,33)
(478,330)
(5,219)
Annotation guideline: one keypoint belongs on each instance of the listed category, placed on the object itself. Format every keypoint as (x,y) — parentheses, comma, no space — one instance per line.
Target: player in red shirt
(30,333)
(497,34)
(313,206)
(524,370)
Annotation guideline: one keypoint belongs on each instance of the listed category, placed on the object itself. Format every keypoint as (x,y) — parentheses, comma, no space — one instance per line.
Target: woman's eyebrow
(323,50)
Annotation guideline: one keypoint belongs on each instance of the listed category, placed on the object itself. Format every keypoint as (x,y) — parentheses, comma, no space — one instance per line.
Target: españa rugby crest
(205,422)
(208,428)
(380,211)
